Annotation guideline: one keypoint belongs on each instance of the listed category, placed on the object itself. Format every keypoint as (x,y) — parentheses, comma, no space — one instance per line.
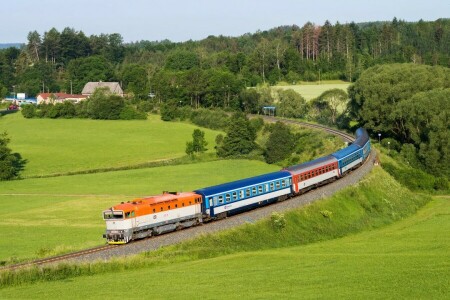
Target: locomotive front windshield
(108,215)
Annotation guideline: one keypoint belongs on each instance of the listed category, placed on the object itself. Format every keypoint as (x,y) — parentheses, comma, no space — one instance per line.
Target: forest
(400,72)
(211,72)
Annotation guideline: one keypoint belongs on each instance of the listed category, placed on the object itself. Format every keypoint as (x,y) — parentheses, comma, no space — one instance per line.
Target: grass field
(408,259)
(61,146)
(44,216)
(312,90)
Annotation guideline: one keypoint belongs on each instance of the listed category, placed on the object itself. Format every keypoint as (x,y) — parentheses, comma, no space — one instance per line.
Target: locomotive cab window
(107,215)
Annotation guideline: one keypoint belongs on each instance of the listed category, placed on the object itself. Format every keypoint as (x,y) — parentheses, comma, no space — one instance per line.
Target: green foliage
(92,68)
(105,106)
(213,119)
(409,103)
(130,113)
(414,179)
(240,138)
(249,100)
(280,144)
(292,104)
(257,123)
(9,162)
(135,80)
(28,111)
(198,143)
(278,221)
(336,100)
(182,60)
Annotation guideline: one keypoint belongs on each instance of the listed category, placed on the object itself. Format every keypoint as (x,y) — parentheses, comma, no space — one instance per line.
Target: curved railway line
(106,252)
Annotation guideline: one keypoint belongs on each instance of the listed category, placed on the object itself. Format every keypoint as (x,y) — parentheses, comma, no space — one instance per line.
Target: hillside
(407,259)
(61,146)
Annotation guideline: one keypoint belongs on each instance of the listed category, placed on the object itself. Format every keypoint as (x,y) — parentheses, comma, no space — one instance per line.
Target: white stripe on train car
(351,165)
(238,204)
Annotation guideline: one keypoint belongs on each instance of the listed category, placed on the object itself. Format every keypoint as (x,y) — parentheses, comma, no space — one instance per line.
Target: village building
(90,87)
(54,98)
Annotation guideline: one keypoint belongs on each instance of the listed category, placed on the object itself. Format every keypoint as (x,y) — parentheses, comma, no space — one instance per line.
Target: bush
(441,183)
(414,179)
(278,221)
(105,106)
(29,111)
(145,106)
(213,119)
(130,113)
(391,144)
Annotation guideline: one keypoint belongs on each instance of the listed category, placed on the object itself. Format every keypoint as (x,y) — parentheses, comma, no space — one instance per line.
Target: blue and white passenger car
(363,140)
(225,199)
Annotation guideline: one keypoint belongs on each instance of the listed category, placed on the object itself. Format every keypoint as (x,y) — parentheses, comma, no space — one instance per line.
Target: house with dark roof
(90,87)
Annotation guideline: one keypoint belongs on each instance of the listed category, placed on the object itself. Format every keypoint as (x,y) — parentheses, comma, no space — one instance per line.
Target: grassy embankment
(62,146)
(406,259)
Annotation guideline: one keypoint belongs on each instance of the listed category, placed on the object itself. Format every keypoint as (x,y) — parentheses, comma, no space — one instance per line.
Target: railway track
(58,258)
(166,238)
(347,137)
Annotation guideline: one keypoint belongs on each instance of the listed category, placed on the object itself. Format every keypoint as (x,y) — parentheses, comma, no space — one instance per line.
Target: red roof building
(54,98)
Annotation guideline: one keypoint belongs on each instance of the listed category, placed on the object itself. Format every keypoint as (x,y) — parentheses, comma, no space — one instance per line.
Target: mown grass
(43,216)
(60,146)
(259,261)
(310,91)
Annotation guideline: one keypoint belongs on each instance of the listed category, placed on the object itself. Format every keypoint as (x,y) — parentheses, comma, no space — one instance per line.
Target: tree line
(212,71)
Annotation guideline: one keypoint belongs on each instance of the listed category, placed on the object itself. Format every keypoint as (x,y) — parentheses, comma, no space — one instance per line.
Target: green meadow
(311,90)
(393,245)
(46,216)
(60,146)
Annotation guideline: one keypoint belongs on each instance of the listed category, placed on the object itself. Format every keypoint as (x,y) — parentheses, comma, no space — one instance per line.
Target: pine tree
(240,139)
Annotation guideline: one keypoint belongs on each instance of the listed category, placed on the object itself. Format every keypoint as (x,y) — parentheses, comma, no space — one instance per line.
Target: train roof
(346,151)
(362,137)
(151,200)
(229,186)
(310,165)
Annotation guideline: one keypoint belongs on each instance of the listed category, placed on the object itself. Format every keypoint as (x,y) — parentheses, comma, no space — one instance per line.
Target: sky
(183,20)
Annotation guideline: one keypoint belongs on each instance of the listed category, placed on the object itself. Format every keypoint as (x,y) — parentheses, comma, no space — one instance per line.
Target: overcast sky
(181,20)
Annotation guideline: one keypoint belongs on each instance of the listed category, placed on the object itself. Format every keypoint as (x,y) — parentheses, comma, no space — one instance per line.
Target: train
(171,211)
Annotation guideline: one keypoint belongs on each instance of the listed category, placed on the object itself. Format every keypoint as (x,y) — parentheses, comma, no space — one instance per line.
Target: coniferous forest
(400,69)
(206,70)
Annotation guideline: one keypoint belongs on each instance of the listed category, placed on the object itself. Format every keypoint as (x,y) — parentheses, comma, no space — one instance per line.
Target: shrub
(278,221)
(29,111)
(213,119)
(145,106)
(130,113)
(441,183)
